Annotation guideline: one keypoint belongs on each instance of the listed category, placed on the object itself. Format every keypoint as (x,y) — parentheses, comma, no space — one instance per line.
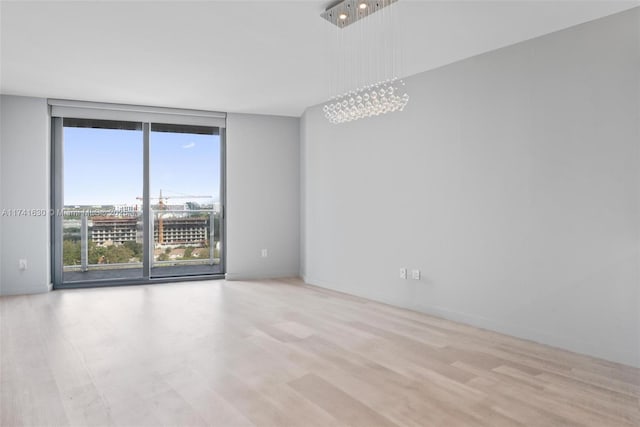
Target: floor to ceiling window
(136,199)
(185,199)
(102,221)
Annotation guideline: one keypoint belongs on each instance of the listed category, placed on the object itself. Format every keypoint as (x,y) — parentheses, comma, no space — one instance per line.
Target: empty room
(310,213)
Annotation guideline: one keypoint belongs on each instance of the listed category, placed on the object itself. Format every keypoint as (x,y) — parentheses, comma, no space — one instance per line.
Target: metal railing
(154,233)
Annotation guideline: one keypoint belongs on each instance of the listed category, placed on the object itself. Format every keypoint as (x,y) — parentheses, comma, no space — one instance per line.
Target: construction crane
(162,206)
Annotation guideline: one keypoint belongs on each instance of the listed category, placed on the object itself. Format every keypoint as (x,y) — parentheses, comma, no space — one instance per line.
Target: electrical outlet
(22,264)
(264,253)
(415,274)
(403,273)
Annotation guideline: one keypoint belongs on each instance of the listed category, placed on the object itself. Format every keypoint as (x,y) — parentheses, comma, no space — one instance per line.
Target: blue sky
(104,166)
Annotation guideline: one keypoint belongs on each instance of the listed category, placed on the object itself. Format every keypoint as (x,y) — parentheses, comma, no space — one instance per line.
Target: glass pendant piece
(384,99)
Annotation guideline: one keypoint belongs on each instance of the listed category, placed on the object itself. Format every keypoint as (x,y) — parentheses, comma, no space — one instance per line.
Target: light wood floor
(276,353)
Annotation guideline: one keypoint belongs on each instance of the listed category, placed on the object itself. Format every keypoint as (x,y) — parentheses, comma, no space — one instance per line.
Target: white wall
(262,196)
(1,200)
(512,181)
(24,184)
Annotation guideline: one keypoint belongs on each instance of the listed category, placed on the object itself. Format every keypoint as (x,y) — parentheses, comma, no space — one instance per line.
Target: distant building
(182,231)
(168,231)
(112,228)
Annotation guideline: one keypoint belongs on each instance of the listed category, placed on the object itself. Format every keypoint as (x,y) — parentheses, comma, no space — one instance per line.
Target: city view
(115,236)
(102,228)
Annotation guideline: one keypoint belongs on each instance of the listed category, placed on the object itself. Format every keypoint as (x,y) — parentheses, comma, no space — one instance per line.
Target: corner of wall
(262,196)
(302,244)
(1,198)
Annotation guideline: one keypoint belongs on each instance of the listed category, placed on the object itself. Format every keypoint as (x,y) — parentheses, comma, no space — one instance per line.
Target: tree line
(114,254)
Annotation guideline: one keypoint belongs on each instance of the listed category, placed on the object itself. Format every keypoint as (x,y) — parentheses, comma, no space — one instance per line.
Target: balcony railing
(172,234)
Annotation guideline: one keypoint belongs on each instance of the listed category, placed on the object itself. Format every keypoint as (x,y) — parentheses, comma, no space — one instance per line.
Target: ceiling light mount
(346,12)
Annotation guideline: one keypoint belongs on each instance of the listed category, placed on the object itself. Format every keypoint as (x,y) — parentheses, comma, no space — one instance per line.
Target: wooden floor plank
(340,405)
(282,353)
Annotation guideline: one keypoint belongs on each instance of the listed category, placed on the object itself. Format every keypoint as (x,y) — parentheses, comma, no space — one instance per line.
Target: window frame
(127,115)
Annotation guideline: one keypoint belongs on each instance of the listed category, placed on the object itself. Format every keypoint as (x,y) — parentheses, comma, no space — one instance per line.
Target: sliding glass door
(102,219)
(185,200)
(136,201)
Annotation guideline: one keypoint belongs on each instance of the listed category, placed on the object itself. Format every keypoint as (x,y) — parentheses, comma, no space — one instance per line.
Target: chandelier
(366,58)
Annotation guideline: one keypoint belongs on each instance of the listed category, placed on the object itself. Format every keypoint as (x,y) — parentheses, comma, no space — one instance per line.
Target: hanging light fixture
(366,82)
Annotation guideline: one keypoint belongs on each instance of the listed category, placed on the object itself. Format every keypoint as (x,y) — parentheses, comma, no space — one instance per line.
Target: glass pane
(102,225)
(185,200)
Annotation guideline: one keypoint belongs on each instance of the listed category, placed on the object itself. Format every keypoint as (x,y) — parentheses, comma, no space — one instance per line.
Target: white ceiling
(267,57)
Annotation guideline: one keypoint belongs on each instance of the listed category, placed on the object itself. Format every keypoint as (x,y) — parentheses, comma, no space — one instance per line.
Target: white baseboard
(515,330)
(259,276)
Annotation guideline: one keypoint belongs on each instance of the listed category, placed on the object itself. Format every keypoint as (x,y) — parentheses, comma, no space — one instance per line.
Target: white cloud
(189,145)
